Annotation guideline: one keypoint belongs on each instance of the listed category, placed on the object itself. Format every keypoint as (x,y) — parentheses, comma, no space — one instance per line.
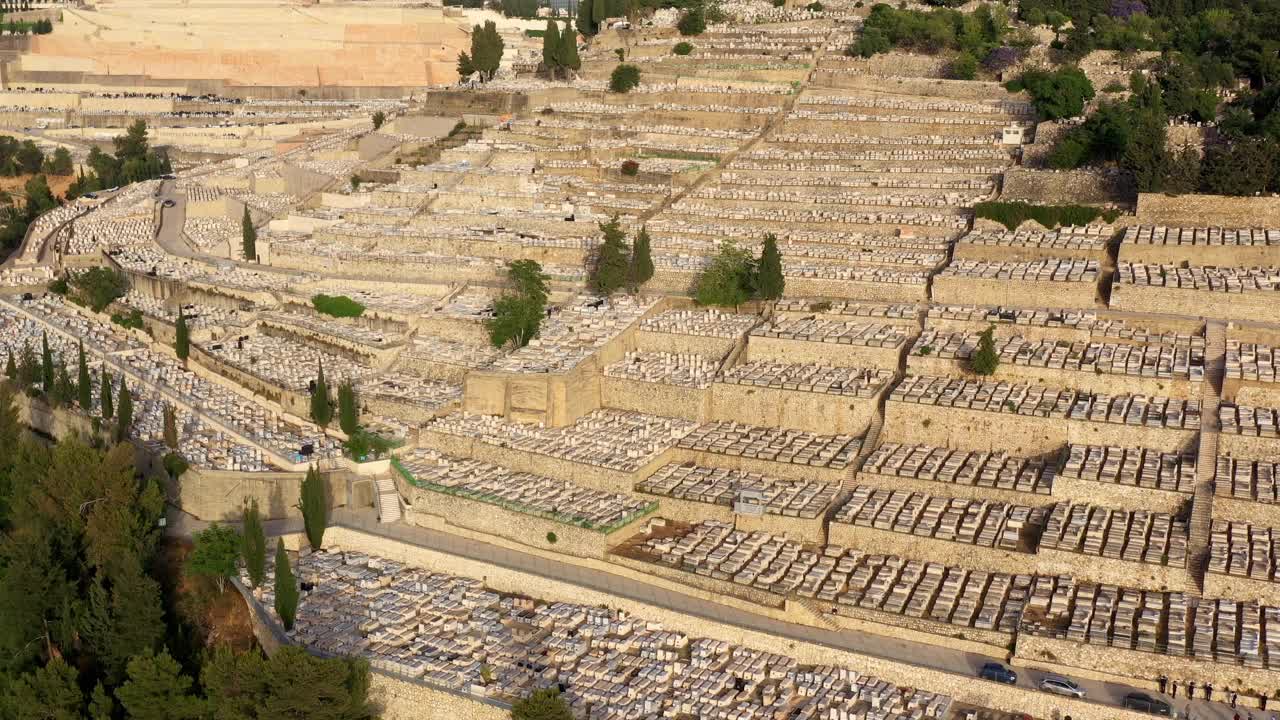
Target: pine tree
(170,427)
(255,545)
(321,410)
(108,402)
(315,507)
(567,54)
(28,367)
(348,409)
(286,588)
(248,237)
(158,690)
(84,385)
(770,282)
(614,258)
(46,365)
(182,341)
(125,419)
(551,47)
(985,360)
(10,368)
(641,260)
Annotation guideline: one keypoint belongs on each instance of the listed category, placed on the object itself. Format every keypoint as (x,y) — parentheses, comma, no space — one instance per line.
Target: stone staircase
(388,499)
(1207,453)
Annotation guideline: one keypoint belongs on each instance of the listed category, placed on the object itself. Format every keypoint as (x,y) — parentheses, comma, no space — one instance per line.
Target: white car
(1059,685)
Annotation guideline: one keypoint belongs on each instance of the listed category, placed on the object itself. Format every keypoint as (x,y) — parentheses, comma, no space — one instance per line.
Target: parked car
(1143,702)
(999,673)
(1059,685)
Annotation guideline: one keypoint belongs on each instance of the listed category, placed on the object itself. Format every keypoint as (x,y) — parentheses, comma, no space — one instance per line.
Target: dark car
(169,203)
(1143,702)
(999,673)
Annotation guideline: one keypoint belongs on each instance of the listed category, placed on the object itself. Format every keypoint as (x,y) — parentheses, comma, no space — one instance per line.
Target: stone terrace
(1137,536)
(972,522)
(979,470)
(795,447)
(451,632)
(718,486)
(521,492)
(1244,550)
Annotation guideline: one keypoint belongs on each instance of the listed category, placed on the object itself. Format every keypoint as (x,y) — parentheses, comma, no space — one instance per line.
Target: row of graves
(456,635)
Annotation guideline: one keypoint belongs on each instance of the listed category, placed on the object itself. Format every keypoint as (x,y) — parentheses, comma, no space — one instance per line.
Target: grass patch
(339,306)
(1013,214)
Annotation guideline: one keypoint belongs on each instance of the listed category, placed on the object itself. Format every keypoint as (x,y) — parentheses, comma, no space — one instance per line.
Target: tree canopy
(518,313)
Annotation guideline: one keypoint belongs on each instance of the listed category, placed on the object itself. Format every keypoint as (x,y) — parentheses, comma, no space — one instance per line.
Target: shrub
(551,538)
(1001,59)
(985,360)
(622,54)
(1013,214)
(175,465)
(339,306)
(965,67)
(1115,86)
(98,287)
(692,22)
(630,168)
(131,319)
(682,48)
(1059,94)
(814,7)
(624,78)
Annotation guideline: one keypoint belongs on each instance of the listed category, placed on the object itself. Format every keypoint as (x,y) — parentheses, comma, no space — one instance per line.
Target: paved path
(914,653)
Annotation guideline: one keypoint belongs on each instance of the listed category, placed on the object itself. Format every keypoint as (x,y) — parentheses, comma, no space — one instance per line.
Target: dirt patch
(13,186)
(220,619)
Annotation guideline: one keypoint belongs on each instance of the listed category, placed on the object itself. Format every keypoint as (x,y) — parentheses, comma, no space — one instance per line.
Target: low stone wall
(401,699)
(1246,511)
(1207,210)
(952,290)
(654,398)
(1057,187)
(1114,495)
(816,412)
(1241,588)
(1248,446)
(221,494)
(787,350)
(1019,434)
(1219,255)
(924,630)
(1114,571)
(1004,253)
(441,511)
(1254,306)
(962,688)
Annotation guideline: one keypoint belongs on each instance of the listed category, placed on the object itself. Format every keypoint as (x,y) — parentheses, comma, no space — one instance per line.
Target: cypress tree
(641,260)
(583,19)
(182,341)
(613,261)
(254,545)
(985,360)
(551,47)
(348,411)
(108,402)
(567,54)
(170,427)
(83,384)
(315,508)
(248,237)
(770,282)
(124,419)
(46,365)
(321,411)
(286,588)
(11,369)
(64,391)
